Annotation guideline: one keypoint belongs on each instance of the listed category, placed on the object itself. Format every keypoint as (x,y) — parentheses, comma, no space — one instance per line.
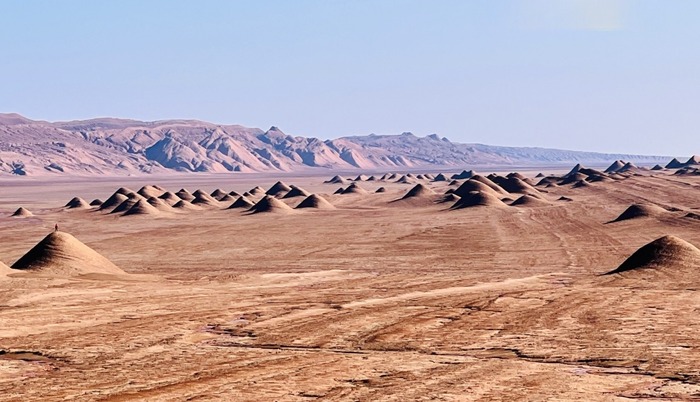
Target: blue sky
(599,75)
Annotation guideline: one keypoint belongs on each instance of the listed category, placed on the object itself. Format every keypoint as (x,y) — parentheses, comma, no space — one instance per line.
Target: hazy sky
(602,75)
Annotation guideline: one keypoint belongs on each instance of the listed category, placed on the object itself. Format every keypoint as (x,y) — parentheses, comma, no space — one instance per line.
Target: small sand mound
(218,194)
(96,202)
(448,198)
(159,204)
(514,184)
(185,206)
(539,175)
(22,212)
(316,202)
(142,207)
(337,180)
(113,201)
(563,198)
(419,190)
(61,253)
(296,192)
(478,199)
(640,211)
(354,188)
(278,188)
(270,204)
(361,177)
(150,191)
(170,198)
(490,183)
(581,184)
(470,186)
(657,167)
(184,195)
(667,252)
(241,202)
(529,200)
(339,190)
(256,191)
(77,202)
(454,183)
(380,190)
(573,178)
(4,269)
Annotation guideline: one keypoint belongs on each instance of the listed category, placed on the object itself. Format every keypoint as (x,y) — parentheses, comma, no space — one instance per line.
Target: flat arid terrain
(486,288)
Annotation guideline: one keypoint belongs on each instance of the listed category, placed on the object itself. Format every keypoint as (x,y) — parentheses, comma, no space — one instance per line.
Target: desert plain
(374,296)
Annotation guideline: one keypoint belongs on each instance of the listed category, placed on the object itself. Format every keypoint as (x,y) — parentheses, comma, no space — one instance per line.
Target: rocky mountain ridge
(123,147)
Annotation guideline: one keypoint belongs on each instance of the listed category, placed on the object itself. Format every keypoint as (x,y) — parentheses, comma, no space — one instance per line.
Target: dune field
(579,285)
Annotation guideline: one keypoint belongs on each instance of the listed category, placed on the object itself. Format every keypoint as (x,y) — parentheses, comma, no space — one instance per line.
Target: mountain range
(108,146)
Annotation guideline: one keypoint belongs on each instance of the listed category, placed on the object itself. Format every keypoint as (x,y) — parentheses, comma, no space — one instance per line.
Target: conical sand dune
(125,206)
(392,176)
(296,192)
(218,194)
(539,175)
(694,160)
(667,253)
(61,253)
(77,202)
(203,199)
(234,194)
(96,202)
(476,199)
(440,177)
(142,207)
(159,204)
(354,188)
(429,176)
(466,174)
(316,202)
(420,177)
(529,200)
(371,178)
(339,190)
(384,177)
(149,191)
(227,198)
(169,198)
(615,166)
(405,179)
(125,191)
(336,180)
(183,205)
(576,169)
(419,190)
(22,212)
(241,202)
(380,190)
(573,178)
(270,204)
(183,194)
(657,167)
(516,174)
(640,211)
(278,188)
(113,201)
(674,164)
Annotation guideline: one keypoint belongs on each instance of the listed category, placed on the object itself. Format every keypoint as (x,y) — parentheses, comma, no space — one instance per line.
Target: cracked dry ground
(368,302)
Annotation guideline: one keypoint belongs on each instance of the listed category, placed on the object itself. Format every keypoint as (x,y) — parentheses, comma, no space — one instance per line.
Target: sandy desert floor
(375,300)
